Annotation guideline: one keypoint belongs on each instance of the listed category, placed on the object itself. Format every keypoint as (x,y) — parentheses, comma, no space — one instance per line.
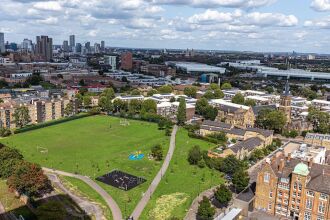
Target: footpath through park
(116,212)
(147,195)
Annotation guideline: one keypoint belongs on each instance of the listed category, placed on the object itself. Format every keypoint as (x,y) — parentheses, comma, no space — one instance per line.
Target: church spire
(286,91)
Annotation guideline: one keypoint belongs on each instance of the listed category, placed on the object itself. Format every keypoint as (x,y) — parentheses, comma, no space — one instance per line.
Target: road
(147,195)
(116,212)
(87,206)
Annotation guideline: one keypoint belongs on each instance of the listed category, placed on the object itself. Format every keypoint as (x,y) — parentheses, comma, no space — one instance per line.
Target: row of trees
(230,165)
(239,99)
(24,177)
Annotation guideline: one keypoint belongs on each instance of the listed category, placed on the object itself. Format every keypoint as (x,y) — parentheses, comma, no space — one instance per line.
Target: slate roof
(248,144)
(217,124)
(263,132)
(319,174)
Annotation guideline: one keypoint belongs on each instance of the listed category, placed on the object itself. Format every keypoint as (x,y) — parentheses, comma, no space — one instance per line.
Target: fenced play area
(121,180)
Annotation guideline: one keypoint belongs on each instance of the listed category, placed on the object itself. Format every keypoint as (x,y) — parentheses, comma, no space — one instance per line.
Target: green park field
(182,182)
(94,146)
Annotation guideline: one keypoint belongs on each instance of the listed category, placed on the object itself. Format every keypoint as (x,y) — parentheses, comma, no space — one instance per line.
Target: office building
(97,48)
(44,48)
(112,61)
(2,43)
(102,46)
(65,46)
(72,42)
(78,48)
(126,61)
(27,45)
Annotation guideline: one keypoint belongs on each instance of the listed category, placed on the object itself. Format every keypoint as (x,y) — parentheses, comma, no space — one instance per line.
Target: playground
(94,146)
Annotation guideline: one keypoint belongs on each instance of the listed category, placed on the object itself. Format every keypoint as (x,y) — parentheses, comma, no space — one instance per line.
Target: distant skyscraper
(65,46)
(44,47)
(72,41)
(112,61)
(102,46)
(27,45)
(97,48)
(127,61)
(2,43)
(87,47)
(78,48)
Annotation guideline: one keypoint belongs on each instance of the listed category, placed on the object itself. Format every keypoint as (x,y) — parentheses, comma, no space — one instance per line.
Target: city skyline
(272,25)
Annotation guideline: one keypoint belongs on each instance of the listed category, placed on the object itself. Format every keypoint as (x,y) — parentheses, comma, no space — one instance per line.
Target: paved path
(89,207)
(192,212)
(116,212)
(147,195)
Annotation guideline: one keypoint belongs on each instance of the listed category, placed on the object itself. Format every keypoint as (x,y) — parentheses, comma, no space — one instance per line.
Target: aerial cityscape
(165,110)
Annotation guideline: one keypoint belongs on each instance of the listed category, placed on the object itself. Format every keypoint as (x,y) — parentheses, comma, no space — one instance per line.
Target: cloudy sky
(255,25)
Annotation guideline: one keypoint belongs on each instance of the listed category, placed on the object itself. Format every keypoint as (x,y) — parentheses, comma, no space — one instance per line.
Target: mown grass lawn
(182,182)
(94,146)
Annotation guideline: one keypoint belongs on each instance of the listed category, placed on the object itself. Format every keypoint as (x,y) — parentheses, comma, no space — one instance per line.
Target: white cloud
(321,5)
(210,16)
(49,21)
(323,23)
(217,3)
(271,19)
(48,6)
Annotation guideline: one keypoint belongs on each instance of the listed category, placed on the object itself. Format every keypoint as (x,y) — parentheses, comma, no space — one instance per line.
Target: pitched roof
(248,144)
(217,124)
(265,133)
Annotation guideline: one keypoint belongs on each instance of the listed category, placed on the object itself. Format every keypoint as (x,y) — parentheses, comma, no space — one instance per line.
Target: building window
(266,177)
(280,193)
(323,196)
(300,186)
(309,204)
(298,201)
(269,206)
(310,193)
(320,217)
(307,216)
(295,186)
(321,207)
(271,194)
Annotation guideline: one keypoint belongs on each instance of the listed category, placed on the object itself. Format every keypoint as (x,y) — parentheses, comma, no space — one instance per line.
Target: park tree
(135,92)
(190,91)
(201,106)
(269,89)
(238,99)
(120,106)
(109,93)
(5,132)
(218,94)
(87,101)
(157,152)
(194,155)
(214,86)
(152,92)
(165,89)
(320,120)
(209,94)
(7,153)
(52,210)
(21,116)
(80,98)
(230,165)
(271,119)
(7,167)
(223,194)
(149,106)
(210,113)
(226,85)
(250,102)
(205,210)
(240,180)
(29,179)
(135,106)
(68,110)
(182,115)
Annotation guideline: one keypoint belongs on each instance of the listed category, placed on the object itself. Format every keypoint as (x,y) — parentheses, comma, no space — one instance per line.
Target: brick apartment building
(126,61)
(287,187)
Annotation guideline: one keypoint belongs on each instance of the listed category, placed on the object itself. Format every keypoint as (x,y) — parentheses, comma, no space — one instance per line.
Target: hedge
(50,123)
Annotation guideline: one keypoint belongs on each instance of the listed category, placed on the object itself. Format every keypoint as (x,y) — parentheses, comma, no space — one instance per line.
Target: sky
(241,25)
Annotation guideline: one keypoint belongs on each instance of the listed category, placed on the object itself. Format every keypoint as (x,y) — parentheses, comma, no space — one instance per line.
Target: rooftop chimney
(289,157)
(281,165)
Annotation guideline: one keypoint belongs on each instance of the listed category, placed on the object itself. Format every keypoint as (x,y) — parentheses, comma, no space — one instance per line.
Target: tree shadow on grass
(57,207)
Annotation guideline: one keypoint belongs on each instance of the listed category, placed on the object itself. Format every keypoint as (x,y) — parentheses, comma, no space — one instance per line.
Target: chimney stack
(310,162)
(281,165)
(289,157)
